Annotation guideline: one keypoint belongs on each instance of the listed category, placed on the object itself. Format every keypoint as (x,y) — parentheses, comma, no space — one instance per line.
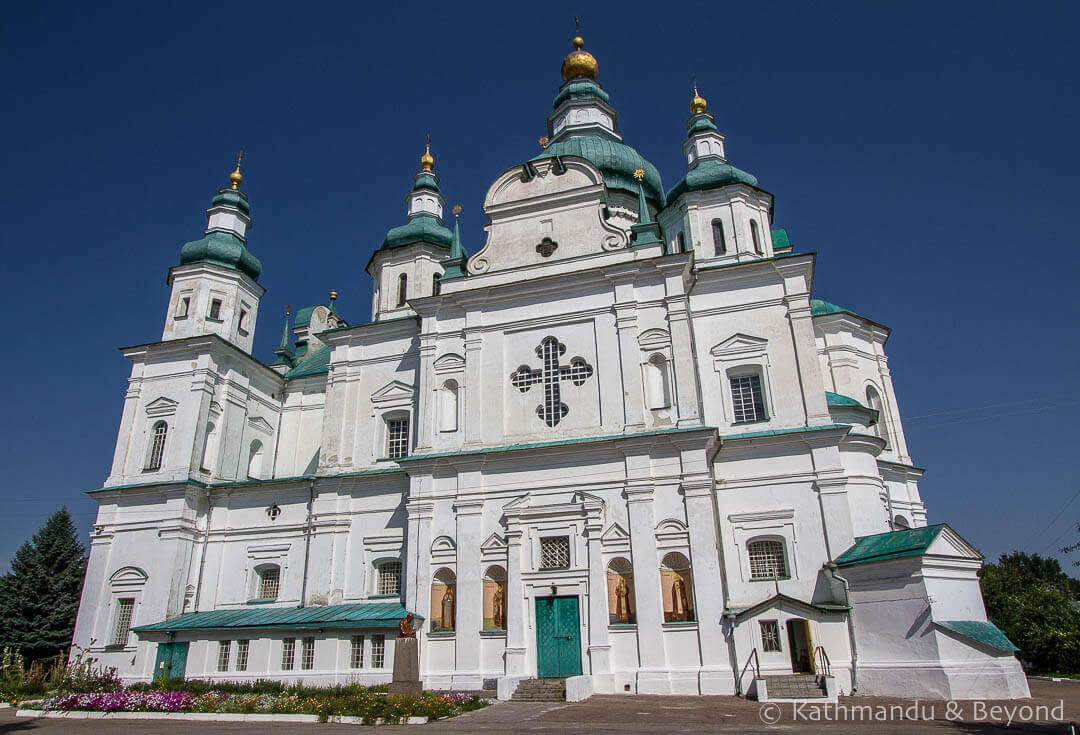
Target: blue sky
(926,151)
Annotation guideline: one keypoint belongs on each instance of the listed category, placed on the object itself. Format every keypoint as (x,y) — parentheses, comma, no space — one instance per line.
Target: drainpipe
(831,566)
(202,555)
(307,540)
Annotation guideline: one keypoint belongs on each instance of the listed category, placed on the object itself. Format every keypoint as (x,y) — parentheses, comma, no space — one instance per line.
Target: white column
(515,606)
(652,674)
(599,646)
(806,357)
(470,594)
(630,359)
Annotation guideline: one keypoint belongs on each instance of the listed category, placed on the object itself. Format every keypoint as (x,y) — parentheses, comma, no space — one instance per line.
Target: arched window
(435,283)
(209,452)
(719,243)
(448,406)
(622,609)
(755,236)
(657,382)
(267,581)
(495,598)
(157,446)
(767,559)
(402,289)
(443,601)
(680,243)
(255,460)
(677,588)
(873,400)
(900,523)
(388,577)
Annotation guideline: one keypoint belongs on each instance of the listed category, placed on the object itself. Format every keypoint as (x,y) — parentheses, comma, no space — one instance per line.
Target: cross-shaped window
(552,410)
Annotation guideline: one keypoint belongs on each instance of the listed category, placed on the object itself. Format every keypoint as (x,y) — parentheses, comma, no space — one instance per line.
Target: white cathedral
(620,445)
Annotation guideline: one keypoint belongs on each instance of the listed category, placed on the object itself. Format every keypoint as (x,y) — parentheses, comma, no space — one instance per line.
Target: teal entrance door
(171,661)
(558,637)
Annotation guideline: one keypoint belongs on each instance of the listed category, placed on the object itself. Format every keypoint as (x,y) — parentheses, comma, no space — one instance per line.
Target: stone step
(795,686)
(540,690)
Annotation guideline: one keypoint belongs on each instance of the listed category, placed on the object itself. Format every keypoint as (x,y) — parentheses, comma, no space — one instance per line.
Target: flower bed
(325,704)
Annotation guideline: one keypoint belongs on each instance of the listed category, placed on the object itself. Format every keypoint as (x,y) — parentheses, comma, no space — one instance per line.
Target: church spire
(703,138)
(426,199)
(284,349)
(645,230)
(455,264)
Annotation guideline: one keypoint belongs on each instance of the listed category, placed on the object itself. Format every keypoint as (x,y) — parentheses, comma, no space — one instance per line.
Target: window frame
(764,641)
(389,420)
(755,237)
(719,245)
(356,652)
(224,652)
(751,375)
(288,654)
(307,653)
(402,291)
(770,539)
(553,539)
(116,640)
(378,651)
(213,311)
(243,652)
(261,580)
(380,566)
(155,453)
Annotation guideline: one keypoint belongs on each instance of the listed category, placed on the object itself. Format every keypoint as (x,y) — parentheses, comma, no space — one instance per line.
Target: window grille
(746,399)
(356,659)
(397,438)
(390,578)
(124,610)
(553,409)
(157,447)
(718,237)
(524,377)
(307,654)
(555,552)
(767,560)
(288,653)
(770,636)
(579,371)
(242,648)
(378,651)
(223,655)
(269,582)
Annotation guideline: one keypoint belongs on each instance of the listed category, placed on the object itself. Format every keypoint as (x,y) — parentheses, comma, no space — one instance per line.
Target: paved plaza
(1053,704)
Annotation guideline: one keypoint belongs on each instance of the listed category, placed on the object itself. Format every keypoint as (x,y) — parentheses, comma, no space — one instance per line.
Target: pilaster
(470,592)
(515,605)
(639,498)
(599,650)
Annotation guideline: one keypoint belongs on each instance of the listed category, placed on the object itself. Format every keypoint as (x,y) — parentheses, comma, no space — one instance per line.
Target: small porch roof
(741,613)
(358,615)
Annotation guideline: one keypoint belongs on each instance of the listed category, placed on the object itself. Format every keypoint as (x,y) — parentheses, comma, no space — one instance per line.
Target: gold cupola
(697,105)
(579,64)
(427,161)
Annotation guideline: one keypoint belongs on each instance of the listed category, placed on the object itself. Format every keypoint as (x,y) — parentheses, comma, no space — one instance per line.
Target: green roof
(316,362)
(358,615)
(821,308)
(980,631)
(616,161)
(420,228)
(835,399)
(229,197)
(890,545)
(710,173)
(581,89)
(780,239)
(224,249)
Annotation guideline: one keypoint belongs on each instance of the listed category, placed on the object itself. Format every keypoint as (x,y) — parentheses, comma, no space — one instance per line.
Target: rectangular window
(747,400)
(397,438)
(269,582)
(242,655)
(183,306)
(390,578)
(378,651)
(555,552)
(215,309)
(124,610)
(288,653)
(770,636)
(307,654)
(241,323)
(223,655)
(356,659)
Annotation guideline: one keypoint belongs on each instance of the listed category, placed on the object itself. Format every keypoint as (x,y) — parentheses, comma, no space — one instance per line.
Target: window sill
(242,332)
(751,423)
(681,625)
(493,633)
(215,321)
(622,626)
(771,579)
(442,634)
(180,317)
(117,647)
(262,601)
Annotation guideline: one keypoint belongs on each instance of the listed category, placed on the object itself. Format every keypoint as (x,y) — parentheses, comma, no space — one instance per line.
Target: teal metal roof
(616,161)
(781,432)
(229,197)
(780,239)
(890,545)
(358,615)
(710,173)
(581,89)
(835,399)
(821,308)
(980,631)
(224,249)
(741,613)
(315,363)
(421,228)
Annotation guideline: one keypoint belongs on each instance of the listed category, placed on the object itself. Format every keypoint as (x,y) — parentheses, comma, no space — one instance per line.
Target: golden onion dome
(427,162)
(579,64)
(697,105)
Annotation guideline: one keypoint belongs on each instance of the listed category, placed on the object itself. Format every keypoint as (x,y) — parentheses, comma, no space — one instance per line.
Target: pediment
(128,576)
(949,543)
(615,532)
(393,391)
(671,525)
(494,542)
(443,543)
(161,407)
(517,503)
(739,345)
(654,339)
(448,363)
(260,424)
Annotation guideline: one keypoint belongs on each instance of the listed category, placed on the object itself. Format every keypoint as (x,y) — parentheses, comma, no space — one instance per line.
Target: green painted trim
(782,432)
(352,615)
(562,443)
(243,483)
(133,486)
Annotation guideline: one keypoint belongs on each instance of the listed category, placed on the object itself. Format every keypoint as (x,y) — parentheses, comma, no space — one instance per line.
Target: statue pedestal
(406,668)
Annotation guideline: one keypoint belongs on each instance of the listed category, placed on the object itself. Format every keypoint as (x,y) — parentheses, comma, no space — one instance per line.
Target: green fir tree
(39,597)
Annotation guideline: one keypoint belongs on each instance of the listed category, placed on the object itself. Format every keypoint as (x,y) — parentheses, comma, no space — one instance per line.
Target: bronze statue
(405,629)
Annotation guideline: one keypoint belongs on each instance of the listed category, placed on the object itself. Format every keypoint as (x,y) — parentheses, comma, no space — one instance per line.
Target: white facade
(661,433)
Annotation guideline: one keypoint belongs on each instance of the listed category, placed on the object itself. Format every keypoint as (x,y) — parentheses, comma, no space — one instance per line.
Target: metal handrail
(824,667)
(757,664)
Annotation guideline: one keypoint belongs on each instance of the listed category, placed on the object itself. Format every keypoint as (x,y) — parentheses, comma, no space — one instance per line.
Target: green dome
(224,249)
(231,198)
(710,173)
(422,228)
(616,161)
(581,89)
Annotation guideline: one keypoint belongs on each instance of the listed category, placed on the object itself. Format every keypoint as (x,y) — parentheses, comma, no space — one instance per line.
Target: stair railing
(822,657)
(751,659)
